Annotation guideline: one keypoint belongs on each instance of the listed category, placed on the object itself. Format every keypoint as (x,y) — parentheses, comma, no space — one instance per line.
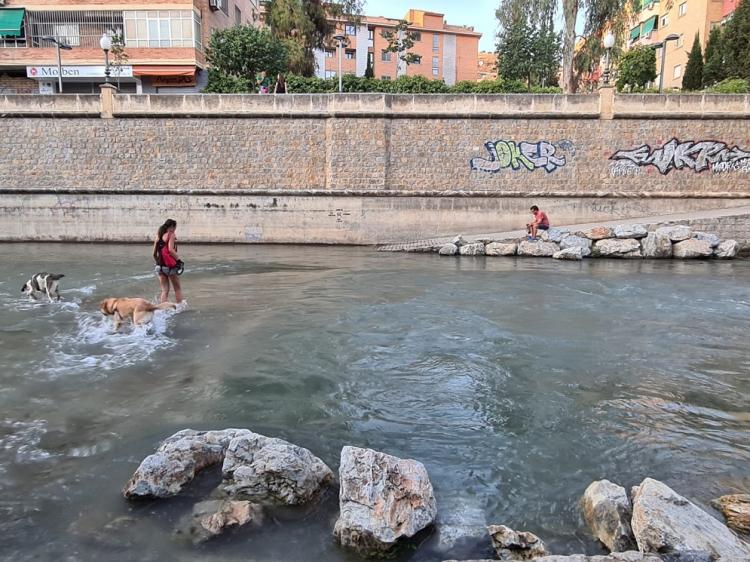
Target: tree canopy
(713,67)
(736,42)
(693,78)
(637,68)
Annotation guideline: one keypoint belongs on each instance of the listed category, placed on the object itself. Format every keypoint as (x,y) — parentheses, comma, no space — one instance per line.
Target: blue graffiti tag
(506,154)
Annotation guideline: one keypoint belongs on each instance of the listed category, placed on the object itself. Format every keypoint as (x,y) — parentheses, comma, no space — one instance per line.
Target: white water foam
(21,438)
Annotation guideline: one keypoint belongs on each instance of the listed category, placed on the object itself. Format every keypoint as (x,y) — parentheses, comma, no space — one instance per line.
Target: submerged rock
(537,248)
(736,510)
(177,460)
(515,545)
(271,470)
(598,233)
(692,249)
(212,518)
(656,246)
(665,522)
(575,254)
(448,250)
(727,249)
(617,248)
(382,499)
(630,231)
(472,249)
(501,248)
(607,511)
(676,233)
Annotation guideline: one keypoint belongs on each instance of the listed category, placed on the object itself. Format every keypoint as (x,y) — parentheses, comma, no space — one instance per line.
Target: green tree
(400,40)
(637,68)
(369,71)
(736,42)
(693,79)
(713,69)
(237,54)
(305,25)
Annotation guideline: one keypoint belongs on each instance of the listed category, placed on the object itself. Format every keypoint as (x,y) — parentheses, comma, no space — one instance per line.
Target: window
(350,29)
(417,36)
(68,33)
(681,41)
(385,56)
(677,71)
(664,21)
(163,28)
(330,74)
(683,9)
(237,16)
(350,54)
(435,42)
(385,77)
(371,38)
(417,60)
(330,53)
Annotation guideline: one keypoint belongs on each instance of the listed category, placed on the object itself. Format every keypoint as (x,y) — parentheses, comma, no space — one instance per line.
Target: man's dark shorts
(543,227)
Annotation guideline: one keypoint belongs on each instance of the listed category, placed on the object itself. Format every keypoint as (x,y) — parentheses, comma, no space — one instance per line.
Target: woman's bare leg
(164,285)
(177,288)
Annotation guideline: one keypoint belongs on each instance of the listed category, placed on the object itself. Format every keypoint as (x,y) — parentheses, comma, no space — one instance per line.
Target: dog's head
(108,306)
(25,287)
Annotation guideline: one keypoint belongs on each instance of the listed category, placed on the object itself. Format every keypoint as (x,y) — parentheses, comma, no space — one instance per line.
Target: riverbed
(515,381)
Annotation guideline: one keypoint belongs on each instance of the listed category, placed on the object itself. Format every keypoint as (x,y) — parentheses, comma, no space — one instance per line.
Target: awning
(163,70)
(649,24)
(11,22)
(635,33)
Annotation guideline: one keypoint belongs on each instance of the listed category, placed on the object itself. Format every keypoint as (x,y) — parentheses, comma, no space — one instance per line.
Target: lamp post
(609,42)
(663,45)
(106,44)
(58,45)
(340,39)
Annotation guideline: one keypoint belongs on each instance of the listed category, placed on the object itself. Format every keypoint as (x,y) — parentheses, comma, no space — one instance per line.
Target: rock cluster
(621,241)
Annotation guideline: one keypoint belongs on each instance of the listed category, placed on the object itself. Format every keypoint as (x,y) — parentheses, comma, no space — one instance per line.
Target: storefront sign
(173,81)
(45,72)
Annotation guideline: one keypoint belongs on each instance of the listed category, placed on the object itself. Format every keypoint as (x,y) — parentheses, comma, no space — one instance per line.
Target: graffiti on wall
(697,156)
(510,155)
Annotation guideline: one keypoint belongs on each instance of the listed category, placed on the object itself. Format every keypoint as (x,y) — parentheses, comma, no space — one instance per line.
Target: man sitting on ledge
(541,222)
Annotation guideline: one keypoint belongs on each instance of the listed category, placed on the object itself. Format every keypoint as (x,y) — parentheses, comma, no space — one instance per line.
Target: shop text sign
(42,72)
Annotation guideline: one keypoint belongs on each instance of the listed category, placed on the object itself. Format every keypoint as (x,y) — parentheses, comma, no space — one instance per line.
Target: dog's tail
(56,276)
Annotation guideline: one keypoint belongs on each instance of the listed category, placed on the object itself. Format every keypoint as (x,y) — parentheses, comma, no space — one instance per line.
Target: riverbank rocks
(472,249)
(598,233)
(271,470)
(501,248)
(448,250)
(573,254)
(537,248)
(665,522)
(727,250)
(554,235)
(617,248)
(712,239)
(382,499)
(736,510)
(631,556)
(210,519)
(656,246)
(515,545)
(692,248)
(676,233)
(177,460)
(573,241)
(607,511)
(630,231)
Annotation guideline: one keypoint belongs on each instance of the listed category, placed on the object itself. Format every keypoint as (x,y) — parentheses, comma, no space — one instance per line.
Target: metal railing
(77,28)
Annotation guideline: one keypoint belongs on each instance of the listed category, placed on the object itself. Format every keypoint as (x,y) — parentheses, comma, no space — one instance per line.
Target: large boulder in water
(536,248)
(177,460)
(727,250)
(382,499)
(665,522)
(692,248)
(472,249)
(736,510)
(515,545)
(606,508)
(271,470)
(656,246)
(617,248)
(577,242)
(501,248)
(448,250)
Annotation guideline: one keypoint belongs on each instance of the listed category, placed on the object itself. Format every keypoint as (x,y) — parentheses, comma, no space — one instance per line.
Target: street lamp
(58,45)
(340,39)
(663,46)
(106,44)
(609,42)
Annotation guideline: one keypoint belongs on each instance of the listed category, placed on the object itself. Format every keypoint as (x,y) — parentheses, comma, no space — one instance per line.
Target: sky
(477,13)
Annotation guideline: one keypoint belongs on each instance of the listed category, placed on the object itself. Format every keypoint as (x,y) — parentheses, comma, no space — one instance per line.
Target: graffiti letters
(509,155)
(690,155)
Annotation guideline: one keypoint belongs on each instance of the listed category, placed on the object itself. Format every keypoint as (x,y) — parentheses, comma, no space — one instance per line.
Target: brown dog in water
(139,310)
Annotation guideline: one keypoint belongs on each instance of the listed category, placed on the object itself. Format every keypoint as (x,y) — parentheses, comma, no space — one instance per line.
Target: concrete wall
(361,168)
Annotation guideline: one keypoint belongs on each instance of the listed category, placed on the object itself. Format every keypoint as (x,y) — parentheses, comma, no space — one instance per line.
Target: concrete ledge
(682,106)
(69,105)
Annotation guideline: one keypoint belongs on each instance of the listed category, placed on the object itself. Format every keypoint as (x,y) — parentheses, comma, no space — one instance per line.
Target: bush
(730,86)
(219,83)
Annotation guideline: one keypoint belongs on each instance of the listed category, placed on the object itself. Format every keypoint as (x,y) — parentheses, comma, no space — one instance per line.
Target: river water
(516,382)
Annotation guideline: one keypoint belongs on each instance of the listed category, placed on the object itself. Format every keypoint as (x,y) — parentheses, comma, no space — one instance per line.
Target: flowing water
(516,382)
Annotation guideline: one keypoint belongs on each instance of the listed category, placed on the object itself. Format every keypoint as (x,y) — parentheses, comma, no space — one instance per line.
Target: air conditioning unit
(214,4)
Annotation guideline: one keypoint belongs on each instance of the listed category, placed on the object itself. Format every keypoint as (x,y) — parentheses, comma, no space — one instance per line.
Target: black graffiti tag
(675,155)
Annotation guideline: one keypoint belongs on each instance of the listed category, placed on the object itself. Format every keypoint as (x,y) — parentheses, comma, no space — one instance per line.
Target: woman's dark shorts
(168,271)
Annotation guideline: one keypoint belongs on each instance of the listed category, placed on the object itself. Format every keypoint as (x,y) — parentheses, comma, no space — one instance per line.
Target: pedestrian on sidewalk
(540,222)
(280,87)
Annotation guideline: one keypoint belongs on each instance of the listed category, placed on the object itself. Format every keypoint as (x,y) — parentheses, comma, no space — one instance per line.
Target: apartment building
(487,66)
(164,40)
(444,51)
(684,18)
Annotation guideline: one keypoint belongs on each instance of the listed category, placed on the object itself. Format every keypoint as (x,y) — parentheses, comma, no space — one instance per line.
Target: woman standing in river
(169,267)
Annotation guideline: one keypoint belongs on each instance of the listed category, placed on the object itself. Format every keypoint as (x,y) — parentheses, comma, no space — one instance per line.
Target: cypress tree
(713,68)
(736,42)
(693,78)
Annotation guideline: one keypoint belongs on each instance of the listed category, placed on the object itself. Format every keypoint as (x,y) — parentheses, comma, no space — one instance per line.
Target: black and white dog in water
(43,284)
